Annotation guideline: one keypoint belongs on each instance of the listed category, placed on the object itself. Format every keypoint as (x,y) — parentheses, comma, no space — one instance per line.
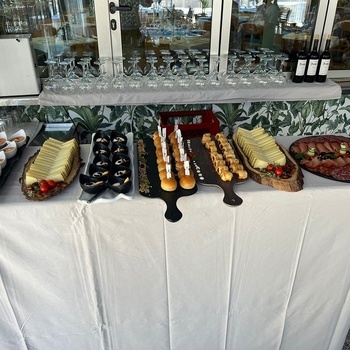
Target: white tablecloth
(273,273)
(292,92)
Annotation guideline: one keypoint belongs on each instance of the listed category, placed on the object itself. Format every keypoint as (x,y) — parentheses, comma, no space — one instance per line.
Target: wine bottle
(312,62)
(299,73)
(323,64)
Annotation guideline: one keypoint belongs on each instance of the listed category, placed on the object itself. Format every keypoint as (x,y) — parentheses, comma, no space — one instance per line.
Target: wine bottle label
(300,68)
(324,67)
(311,69)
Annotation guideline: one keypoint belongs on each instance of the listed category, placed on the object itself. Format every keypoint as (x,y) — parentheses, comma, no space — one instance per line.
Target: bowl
(119,137)
(120,171)
(119,184)
(101,137)
(19,137)
(3,138)
(101,148)
(121,159)
(98,172)
(3,159)
(102,161)
(90,184)
(10,149)
(118,147)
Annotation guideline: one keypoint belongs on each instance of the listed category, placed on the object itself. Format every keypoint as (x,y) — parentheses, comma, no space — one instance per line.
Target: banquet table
(272,273)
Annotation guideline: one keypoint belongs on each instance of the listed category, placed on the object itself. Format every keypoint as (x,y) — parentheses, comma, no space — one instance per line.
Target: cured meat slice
(335,146)
(340,161)
(303,147)
(321,148)
(342,174)
(328,146)
(296,149)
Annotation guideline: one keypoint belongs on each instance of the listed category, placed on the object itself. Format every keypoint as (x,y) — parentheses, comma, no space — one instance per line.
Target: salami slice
(342,173)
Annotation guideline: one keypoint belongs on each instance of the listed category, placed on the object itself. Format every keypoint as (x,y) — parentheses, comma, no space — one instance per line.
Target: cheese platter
(50,169)
(267,162)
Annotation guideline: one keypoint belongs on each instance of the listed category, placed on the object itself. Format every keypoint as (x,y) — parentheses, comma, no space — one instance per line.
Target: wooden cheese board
(206,175)
(293,183)
(32,195)
(149,183)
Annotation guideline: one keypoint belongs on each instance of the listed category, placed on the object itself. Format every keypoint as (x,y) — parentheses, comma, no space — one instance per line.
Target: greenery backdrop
(278,118)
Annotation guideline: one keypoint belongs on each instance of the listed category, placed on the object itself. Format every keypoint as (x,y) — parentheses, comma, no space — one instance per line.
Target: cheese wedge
(260,148)
(53,162)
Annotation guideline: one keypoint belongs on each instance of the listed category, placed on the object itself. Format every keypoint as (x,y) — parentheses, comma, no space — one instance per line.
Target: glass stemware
(67,86)
(200,78)
(86,83)
(231,78)
(152,77)
(247,80)
(168,77)
(261,73)
(279,79)
(214,79)
(119,81)
(52,83)
(104,80)
(135,78)
(184,80)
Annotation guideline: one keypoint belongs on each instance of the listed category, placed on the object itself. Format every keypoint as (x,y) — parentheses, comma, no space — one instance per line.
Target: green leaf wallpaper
(278,118)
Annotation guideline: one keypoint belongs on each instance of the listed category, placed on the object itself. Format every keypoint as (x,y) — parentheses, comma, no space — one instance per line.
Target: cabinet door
(164,27)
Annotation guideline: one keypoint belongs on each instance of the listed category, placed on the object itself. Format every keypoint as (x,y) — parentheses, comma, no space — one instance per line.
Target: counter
(273,273)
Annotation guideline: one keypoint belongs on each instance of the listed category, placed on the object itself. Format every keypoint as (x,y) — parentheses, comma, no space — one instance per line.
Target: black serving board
(11,162)
(205,173)
(172,213)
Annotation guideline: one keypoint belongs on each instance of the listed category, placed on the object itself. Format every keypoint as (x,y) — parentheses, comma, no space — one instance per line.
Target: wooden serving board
(154,190)
(77,163)
(205,173)
(293,184)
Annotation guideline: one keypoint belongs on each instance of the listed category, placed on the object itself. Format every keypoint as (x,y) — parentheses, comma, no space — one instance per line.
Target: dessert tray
(327,156)
(149,183)
(292,182)
(205,173)
(105,192)
(8,163)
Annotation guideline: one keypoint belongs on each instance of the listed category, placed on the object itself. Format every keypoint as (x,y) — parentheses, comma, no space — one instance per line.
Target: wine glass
(119,81)
(261,73)
(200,78)
(279,79)
(247,80)
(68,86)
(168,78)
(86,83)
(104,80)
(52,83)
(214,79)
(152,79)
(135,78)
(184,80)
(231,78)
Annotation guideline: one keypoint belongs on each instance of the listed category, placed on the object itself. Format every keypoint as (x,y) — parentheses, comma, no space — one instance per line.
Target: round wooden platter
(293,184)
(206,175)
(77,164)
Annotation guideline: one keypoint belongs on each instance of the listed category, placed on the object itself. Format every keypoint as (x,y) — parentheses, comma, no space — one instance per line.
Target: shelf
(292,92)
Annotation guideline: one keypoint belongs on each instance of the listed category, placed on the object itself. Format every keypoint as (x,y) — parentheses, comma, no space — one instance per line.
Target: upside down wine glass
(119,81)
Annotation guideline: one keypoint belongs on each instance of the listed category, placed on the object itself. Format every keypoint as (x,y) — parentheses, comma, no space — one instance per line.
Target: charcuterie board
(205,173)
(149,183)
(327,156)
